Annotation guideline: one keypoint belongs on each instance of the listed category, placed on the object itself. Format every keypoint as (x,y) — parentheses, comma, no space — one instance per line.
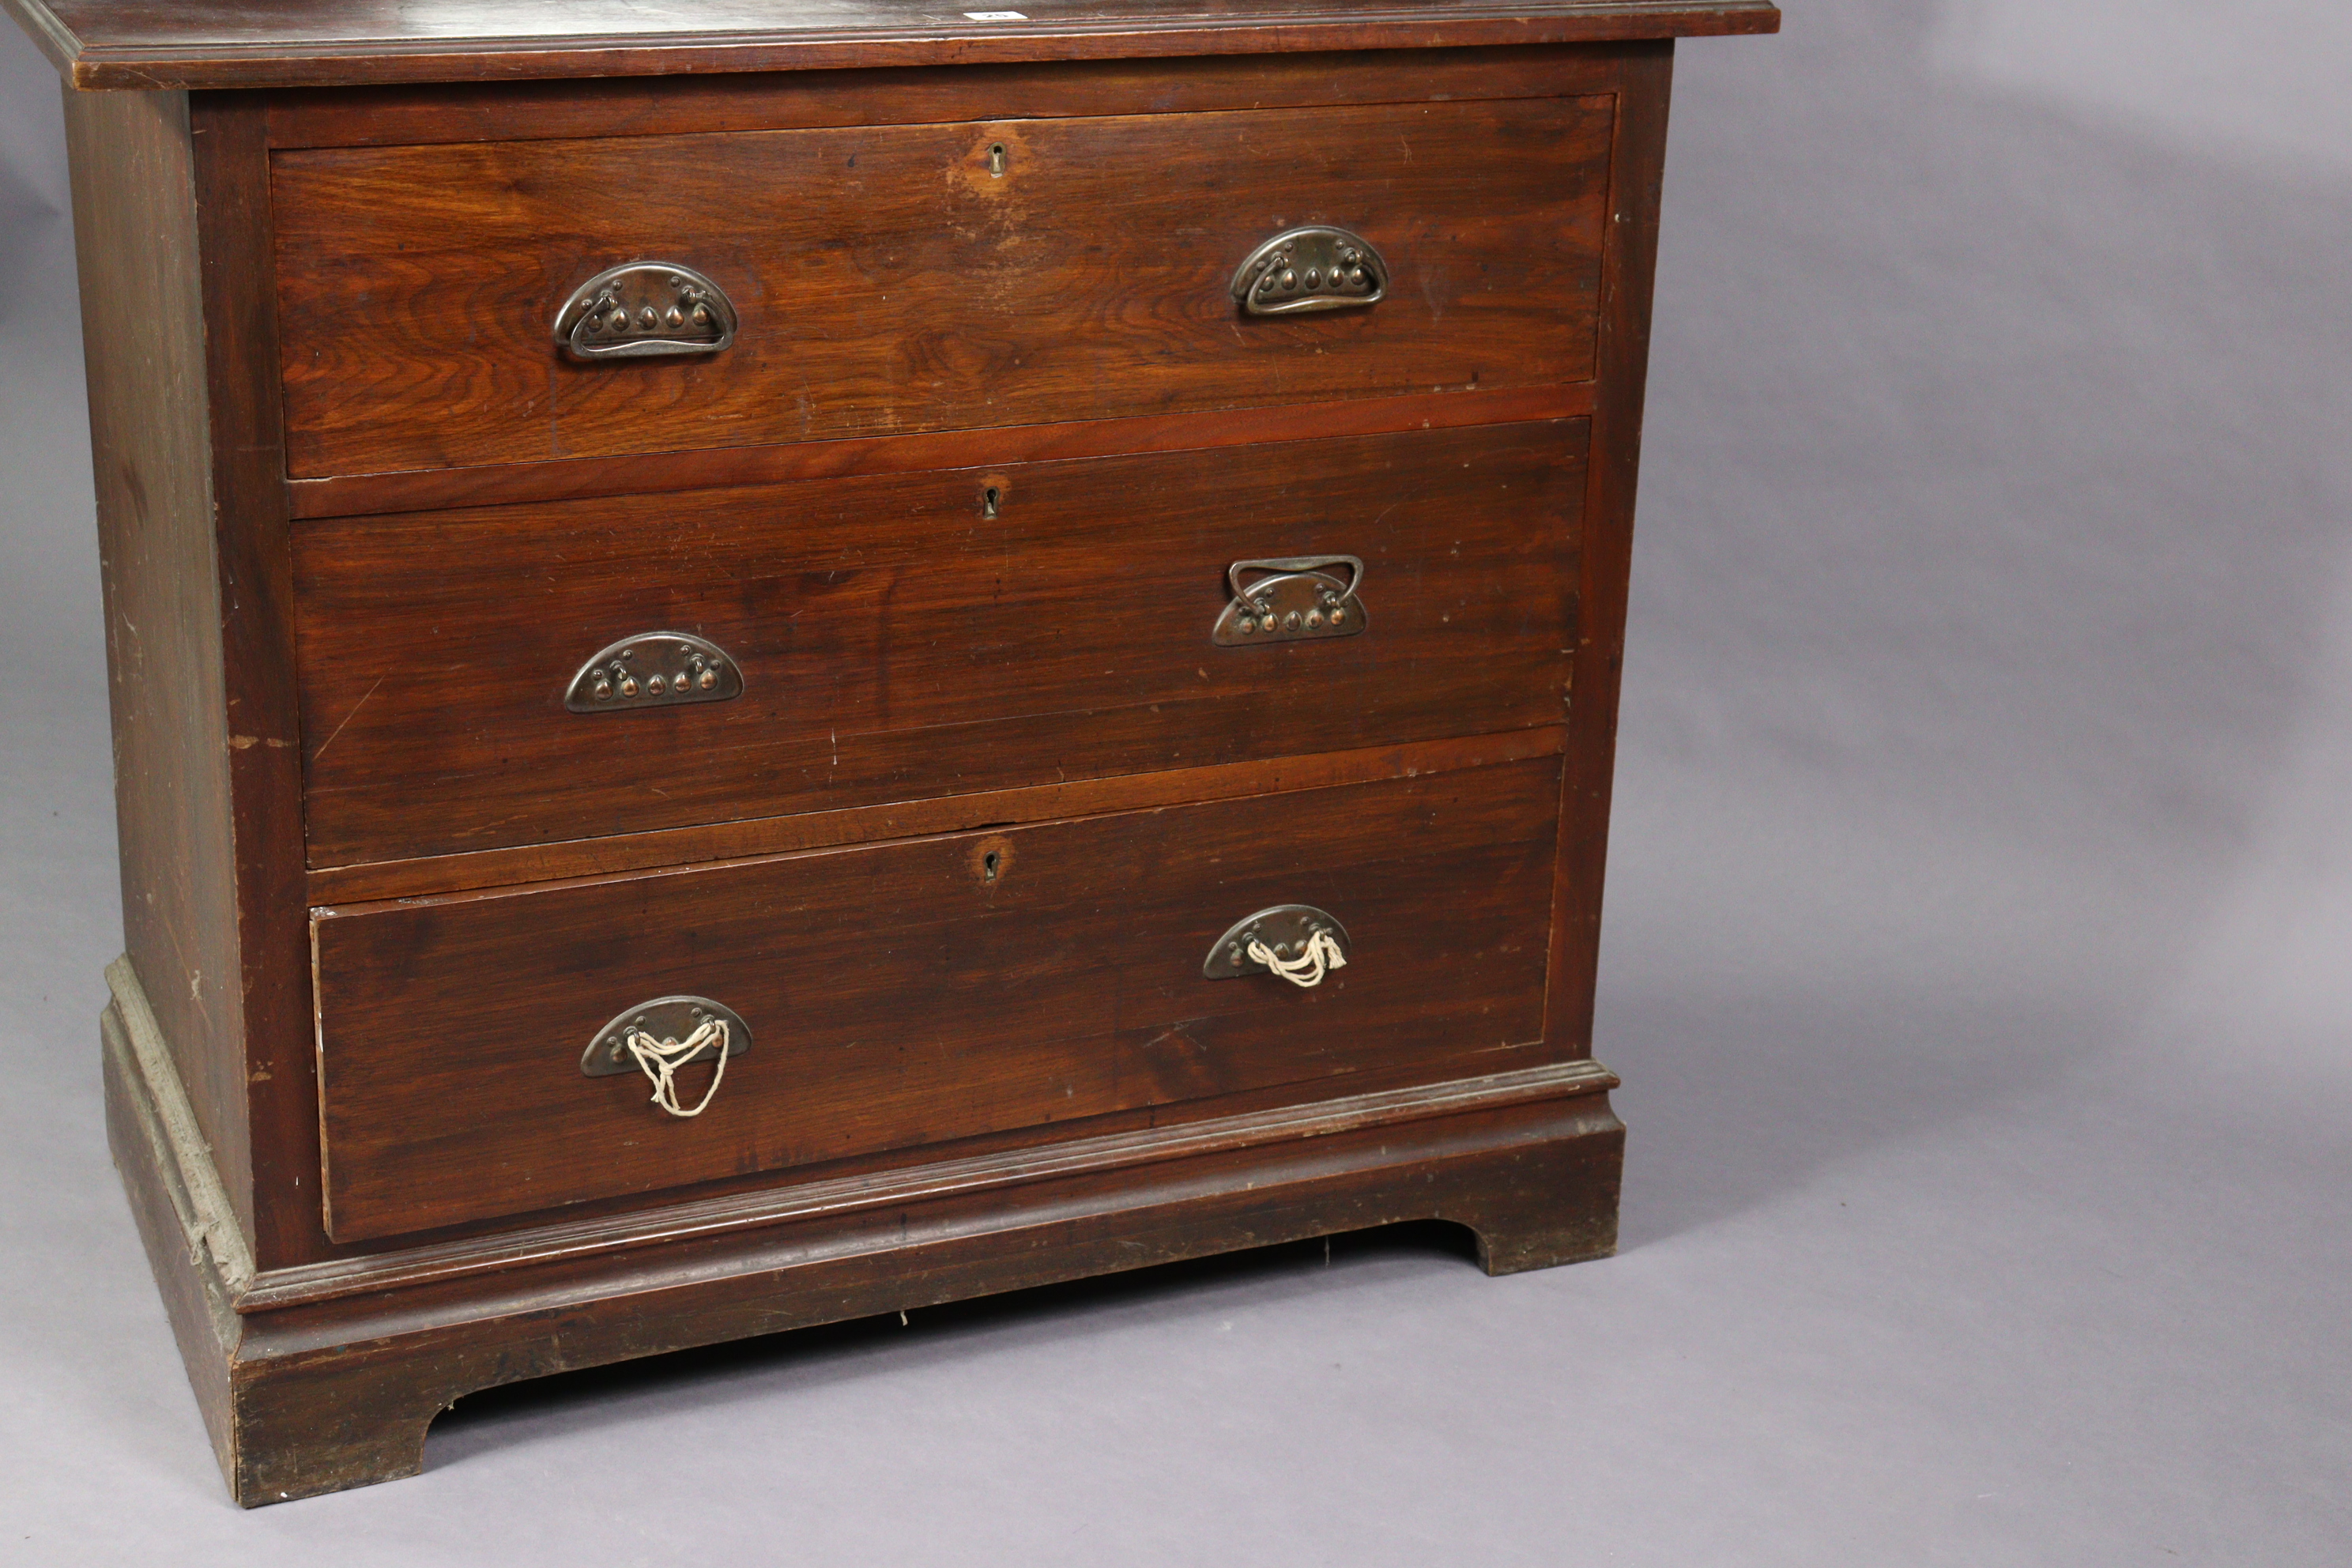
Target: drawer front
(893,642)
(888,280)
(920,992)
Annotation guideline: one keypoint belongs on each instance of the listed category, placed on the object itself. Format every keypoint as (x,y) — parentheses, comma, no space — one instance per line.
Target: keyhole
(989,861)
(996,160)
(988,499)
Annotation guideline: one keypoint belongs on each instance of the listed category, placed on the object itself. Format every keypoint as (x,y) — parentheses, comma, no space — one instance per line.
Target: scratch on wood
(352,714)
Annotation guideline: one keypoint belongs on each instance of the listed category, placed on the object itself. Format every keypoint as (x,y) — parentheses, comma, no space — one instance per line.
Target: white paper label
(996,15)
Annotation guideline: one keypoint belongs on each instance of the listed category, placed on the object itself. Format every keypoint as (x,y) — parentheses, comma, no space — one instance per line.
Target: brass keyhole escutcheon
(990,860)
(990,499)
(984,167)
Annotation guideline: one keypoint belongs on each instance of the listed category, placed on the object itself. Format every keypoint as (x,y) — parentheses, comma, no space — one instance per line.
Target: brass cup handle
(656,1039)
(1290,598)
(1315,268)
(653,669)
(1297,943)
(645,310)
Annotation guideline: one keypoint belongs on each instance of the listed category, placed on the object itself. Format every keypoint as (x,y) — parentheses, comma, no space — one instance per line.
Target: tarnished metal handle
(1289,598)
(1297,943)
(658,1038)
(653,669)
(1317,268)
(645,310)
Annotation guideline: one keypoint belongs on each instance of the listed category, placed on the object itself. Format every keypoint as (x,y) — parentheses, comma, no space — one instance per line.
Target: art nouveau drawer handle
(658,1038)
(1313,269)
(1297,941)
(655,669)
(1290,598)
(644,309)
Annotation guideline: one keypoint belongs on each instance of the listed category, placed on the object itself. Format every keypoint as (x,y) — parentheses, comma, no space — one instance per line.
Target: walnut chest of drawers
(842,656)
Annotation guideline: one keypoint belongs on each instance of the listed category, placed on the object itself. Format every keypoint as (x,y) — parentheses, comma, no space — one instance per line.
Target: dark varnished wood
(143,343)
(916,994)
(666,106)
(256,628)
(712,468)
(979,1082)
(650,1219)
(594,857)
(294,43)
(890,1187)
(1639,164)
(896,643)
(308,1387)
(888,282)
(285,1199)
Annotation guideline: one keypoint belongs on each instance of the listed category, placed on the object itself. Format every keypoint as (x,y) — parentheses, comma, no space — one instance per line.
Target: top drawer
(917,277)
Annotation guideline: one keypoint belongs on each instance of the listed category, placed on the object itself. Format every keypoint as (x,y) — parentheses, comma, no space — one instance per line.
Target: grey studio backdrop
(1979,956)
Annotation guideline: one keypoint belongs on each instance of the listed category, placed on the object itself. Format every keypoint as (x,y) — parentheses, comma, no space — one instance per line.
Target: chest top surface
(172,44)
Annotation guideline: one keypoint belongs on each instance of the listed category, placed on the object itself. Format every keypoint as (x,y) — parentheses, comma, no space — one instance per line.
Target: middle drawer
(904,636)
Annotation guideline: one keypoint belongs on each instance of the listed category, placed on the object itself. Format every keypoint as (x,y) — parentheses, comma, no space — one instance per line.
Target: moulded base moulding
(315,1379)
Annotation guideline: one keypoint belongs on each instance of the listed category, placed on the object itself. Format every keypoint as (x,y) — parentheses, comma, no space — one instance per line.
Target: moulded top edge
(210,44)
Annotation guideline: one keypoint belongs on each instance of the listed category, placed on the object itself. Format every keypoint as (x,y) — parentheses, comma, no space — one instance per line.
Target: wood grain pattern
(896,643)
(888,283)
(646,1217)
(238,44)
(1639,164)
(588,859)
(256,651)
(965,1176)
(967,920)
(346,1400)
(674,105)
(143,345)
(507,484)
(1061,983)
(334,1388)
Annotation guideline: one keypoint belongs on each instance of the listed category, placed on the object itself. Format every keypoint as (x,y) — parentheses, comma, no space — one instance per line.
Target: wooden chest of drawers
(842,656)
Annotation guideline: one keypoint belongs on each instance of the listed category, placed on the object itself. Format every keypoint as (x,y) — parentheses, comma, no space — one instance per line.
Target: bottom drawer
(913,993)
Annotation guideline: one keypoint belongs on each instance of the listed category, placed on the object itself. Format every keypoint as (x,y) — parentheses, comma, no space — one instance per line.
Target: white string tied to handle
(1317,958)
(660,1059)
